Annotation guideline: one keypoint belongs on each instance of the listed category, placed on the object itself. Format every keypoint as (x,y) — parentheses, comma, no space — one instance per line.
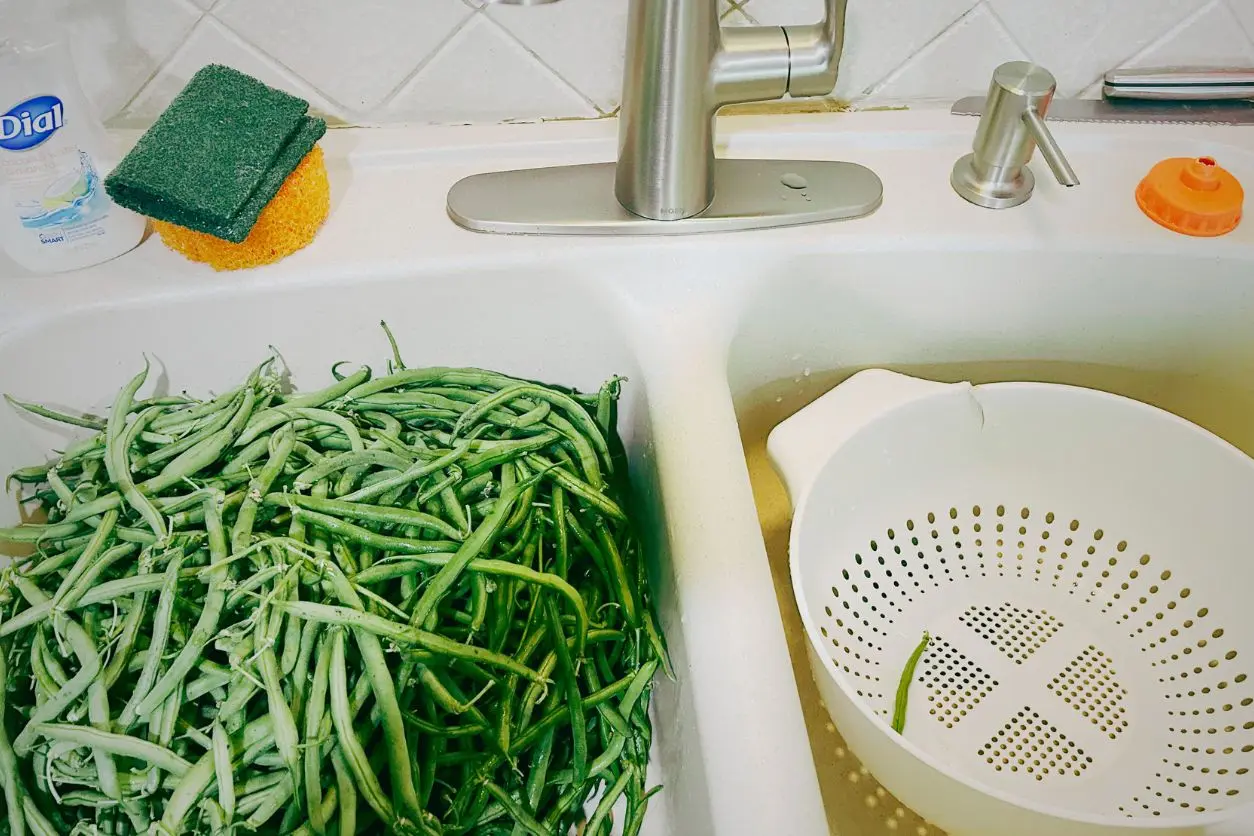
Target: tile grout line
(160,65)
(1187,21)
(344,110)
(501,28)
(201,14)
(870,90)
(738,6)
(1007,31)
(1249,32)
(427,59)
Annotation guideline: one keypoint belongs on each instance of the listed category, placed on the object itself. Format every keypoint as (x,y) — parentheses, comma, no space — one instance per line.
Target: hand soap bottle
(54,152)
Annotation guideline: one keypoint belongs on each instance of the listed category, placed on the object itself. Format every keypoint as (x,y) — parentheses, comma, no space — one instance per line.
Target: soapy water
(71,199)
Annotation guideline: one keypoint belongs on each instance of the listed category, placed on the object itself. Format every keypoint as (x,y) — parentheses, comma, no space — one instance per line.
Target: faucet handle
(814,52)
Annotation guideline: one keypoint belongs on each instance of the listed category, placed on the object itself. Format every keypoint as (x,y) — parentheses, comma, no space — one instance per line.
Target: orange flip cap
(1191,196)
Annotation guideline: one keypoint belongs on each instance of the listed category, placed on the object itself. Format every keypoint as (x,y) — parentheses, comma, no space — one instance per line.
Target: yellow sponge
(288,223)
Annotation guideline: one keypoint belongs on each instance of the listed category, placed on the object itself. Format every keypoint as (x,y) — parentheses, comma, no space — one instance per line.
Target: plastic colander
(1084,564)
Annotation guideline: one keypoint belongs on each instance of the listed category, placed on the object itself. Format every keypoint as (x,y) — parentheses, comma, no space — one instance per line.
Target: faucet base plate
(748,194)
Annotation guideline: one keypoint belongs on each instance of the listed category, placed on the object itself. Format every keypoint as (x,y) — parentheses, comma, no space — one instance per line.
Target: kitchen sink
(721,337)
(1166,331)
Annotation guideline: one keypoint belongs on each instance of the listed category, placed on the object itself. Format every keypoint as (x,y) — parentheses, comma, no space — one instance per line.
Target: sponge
(289,222)
(218,155)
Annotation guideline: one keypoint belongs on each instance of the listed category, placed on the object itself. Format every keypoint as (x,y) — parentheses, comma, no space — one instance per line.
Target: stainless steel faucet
(682,66)
(995,175)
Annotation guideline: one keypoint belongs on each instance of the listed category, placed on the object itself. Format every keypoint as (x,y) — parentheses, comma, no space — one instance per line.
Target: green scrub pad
(217,155)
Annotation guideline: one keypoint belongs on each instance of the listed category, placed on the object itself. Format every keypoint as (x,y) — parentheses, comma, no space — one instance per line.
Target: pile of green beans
(410,604)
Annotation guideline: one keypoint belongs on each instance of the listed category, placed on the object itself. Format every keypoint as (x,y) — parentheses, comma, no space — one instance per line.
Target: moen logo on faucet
(31,123)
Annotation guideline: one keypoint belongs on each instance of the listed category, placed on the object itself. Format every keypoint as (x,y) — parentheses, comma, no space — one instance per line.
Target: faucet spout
(682,66)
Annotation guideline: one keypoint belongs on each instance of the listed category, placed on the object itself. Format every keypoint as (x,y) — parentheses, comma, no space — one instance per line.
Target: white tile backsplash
(1079,40)
(120,45)
(484,75)
(455,61)
(581,41)
(356,53)
(1214,30)
(212,43)
(956,63)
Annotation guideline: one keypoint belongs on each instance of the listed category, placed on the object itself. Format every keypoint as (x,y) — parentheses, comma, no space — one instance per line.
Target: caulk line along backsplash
(461,61)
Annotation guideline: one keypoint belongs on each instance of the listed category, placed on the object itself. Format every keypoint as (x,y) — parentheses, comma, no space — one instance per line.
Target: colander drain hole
(956,685)
(1016,632)
(1034,746)
(1089,685)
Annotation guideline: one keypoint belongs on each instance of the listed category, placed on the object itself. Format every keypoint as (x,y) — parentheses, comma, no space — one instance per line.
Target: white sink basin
(710,330)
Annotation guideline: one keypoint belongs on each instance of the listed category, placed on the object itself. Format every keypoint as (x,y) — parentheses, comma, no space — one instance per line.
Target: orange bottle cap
(1191,196)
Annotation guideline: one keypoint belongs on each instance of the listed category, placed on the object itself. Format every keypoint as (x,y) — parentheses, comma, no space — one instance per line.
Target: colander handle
(801,446)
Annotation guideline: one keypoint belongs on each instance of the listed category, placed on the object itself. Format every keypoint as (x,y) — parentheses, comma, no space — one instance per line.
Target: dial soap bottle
(54,152)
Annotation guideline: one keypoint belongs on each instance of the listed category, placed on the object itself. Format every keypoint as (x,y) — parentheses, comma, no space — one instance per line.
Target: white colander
(1085,566)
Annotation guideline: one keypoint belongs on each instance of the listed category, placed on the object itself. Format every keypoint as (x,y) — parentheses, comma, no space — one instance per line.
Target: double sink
(720,337)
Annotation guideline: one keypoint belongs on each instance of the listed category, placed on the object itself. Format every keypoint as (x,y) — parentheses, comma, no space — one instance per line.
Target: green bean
(618,573)
(517,812)
(82,593)
(246,457)
(213,679)
(118,439)
(192,461)
(286,738)
(197,779)
(273,417)
(207,623)
(357,534)
(903,687)
(435,730)
(194,411)
(494,454)
(574,700)
(577,487)
(349,745)
(35,819)
(115,744)
(88,421)
(608,801)
(481,539)
(37,533)
(223,772)
(575,413)
(393,567)
(10,780)
(65,696)
(404,634)
(131,626)
(29,475)
(281,444)
(160,634)
(411,474)
(314,713)
(347,793)
(369,513)
(201,432)
(330,393)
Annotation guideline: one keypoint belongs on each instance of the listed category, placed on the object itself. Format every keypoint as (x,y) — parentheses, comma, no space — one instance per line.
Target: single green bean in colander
(903,688)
